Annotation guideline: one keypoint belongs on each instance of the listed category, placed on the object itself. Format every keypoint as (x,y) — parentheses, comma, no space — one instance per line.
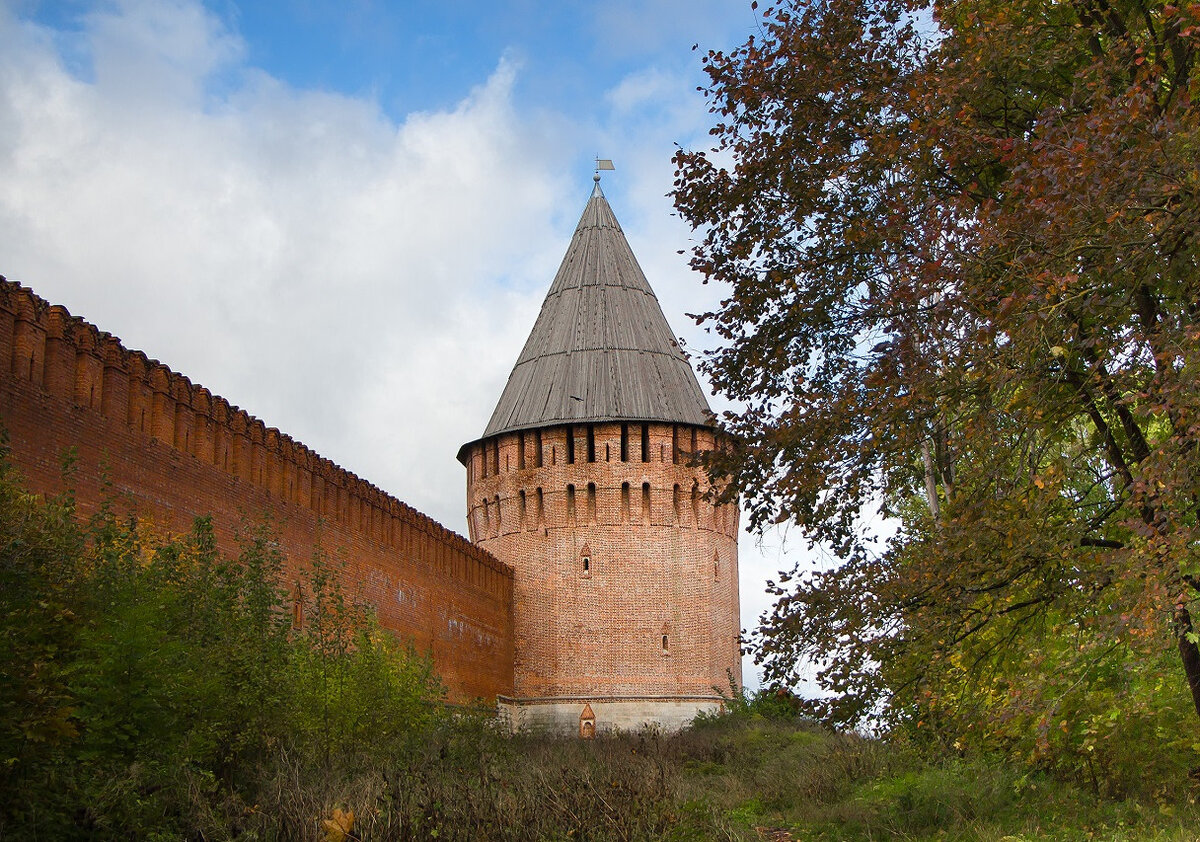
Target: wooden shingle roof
(601,348)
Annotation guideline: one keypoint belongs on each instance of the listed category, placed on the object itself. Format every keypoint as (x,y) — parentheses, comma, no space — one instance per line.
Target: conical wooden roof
(601,348)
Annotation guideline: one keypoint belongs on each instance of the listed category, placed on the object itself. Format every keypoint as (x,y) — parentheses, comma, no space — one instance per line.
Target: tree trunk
(1189,652)
(931,494)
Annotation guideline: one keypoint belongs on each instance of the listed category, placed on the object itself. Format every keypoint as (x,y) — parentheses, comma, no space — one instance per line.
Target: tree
(961,251)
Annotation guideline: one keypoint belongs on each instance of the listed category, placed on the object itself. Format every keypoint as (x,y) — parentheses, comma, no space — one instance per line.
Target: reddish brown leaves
(964,281)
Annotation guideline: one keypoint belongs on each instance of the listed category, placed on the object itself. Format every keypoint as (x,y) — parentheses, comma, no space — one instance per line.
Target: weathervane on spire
(602,164)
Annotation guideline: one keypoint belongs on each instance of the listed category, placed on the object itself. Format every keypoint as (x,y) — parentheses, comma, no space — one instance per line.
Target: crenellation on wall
(255,432)
(254,450)
(215,455)
(162,403)
(139,392)
(8,321)
(232,423)
(27,353)
(89,365)
(114,390)
(58,373)
(203,445)
(244,447)
(273,474)
(219,431)
(302,458)
(183,434)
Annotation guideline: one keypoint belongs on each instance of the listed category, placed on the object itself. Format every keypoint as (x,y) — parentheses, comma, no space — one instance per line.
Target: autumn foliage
(960,247)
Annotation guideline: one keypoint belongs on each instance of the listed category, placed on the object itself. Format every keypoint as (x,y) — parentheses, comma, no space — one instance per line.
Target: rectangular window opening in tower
(624,442)
(570,505)
(537,443)
(646,503)
(591,443)
(645,442)
(520,451)
(570,445)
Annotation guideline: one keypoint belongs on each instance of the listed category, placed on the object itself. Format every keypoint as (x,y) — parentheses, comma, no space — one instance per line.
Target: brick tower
(626,589)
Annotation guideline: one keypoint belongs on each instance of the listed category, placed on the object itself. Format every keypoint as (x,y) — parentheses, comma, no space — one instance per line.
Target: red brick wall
(174,451)
(670,569)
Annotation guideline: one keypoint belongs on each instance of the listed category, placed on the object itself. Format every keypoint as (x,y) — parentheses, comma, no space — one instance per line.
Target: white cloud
(158,51)
(296,252)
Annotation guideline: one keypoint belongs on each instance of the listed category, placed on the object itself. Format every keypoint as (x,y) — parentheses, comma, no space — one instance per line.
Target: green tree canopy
(960,245)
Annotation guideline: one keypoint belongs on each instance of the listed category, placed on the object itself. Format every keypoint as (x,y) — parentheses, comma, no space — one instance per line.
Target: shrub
(150,680)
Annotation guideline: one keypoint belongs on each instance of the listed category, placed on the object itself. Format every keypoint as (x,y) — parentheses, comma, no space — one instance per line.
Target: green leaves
(354,684)
(138,670)
(963,279)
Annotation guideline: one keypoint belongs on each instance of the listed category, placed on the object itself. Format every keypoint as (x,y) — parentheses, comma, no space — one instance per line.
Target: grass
(789,777)
(741,778)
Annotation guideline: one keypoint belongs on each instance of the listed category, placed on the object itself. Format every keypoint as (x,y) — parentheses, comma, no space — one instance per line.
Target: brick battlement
(574,475)
(175,448)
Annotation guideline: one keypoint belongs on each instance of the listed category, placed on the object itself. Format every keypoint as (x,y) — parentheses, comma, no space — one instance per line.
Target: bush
(150,681)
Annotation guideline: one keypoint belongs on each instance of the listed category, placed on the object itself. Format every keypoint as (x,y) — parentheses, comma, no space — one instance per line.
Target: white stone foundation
(615,713)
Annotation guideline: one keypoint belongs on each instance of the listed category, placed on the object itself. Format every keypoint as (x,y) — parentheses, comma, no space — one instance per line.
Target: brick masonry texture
(626,575)
(174,451)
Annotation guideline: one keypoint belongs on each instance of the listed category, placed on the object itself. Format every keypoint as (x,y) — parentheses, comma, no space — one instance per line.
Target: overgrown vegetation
(152,685)
(153,689)
(761,772)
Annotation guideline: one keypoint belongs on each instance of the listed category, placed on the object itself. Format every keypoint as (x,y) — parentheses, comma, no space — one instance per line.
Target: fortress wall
(661,560)
(174,451)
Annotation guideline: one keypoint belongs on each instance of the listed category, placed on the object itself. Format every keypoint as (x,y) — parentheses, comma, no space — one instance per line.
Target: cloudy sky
(342,215)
